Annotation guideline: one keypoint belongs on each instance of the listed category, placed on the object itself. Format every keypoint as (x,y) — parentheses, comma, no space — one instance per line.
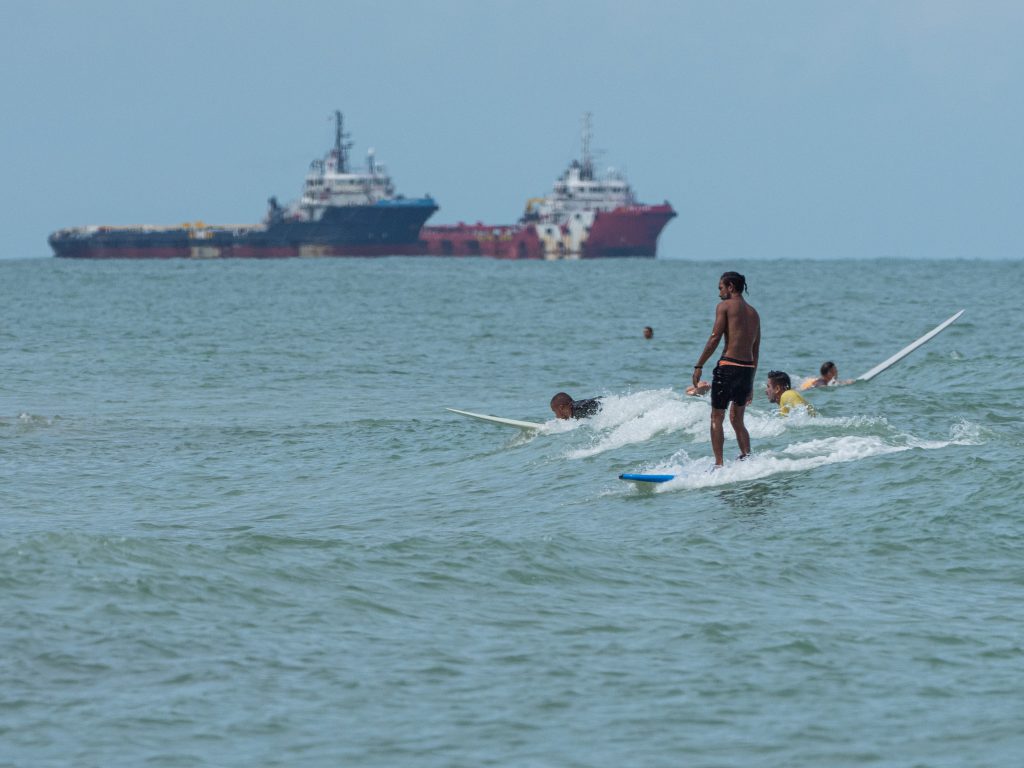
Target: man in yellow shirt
(780,390)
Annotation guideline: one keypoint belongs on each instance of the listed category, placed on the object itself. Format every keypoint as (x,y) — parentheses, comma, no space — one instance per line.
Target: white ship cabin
(329,183)
(579,194)
(578,191)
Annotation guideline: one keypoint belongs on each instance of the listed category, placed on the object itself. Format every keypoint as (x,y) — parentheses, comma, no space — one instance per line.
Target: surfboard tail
(531,425)
(868,375)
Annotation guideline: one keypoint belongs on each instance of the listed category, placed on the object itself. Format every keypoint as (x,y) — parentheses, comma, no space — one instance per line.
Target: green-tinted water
(241,529)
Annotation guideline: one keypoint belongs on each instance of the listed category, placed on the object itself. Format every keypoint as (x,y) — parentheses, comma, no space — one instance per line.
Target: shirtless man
(829,377)
(732,383)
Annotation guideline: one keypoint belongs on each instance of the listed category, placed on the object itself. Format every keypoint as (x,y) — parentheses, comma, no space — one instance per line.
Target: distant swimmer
(780,390)
(564,407)
(648,332)
(829,377)
(732,383)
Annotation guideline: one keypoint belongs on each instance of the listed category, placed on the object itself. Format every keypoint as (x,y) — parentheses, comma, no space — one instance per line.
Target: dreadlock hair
(736,280)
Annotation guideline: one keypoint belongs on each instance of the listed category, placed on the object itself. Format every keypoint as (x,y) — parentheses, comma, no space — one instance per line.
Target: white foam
(801,456)
(636,418)
(964,432)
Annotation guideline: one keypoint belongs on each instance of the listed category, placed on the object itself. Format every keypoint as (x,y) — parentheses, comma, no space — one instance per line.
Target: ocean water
(239,528)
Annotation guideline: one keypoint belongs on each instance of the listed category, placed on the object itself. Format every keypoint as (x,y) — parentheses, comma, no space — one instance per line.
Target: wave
(797,457)
(24,422)
(637,417)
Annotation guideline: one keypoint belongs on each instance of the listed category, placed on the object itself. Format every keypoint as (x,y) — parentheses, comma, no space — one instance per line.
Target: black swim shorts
(731,384)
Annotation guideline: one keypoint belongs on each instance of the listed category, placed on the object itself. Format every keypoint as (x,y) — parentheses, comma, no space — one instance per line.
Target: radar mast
(587,172)
(341,147)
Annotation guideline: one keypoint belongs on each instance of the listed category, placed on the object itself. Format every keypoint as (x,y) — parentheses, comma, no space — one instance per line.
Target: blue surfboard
(637,477)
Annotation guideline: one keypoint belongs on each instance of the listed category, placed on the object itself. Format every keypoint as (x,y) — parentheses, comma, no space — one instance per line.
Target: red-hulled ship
(585,217)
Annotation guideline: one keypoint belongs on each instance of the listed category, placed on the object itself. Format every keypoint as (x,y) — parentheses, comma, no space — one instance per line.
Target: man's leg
(717,434)
(736,420)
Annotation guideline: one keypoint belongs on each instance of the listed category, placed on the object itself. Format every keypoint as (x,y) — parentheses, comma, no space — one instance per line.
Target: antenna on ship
(587,172)
(341,147)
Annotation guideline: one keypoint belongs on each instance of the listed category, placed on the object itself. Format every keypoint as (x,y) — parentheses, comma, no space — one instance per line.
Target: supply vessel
(586,216)
(342,212)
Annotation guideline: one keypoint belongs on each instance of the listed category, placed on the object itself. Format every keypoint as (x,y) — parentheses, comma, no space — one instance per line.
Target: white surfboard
(909,348)
(498,419)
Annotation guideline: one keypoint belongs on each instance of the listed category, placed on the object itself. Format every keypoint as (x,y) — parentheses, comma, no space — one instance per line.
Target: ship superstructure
(579,190)
(331,182)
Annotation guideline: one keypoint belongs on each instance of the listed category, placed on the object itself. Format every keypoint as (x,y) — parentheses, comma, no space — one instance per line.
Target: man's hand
(696,376)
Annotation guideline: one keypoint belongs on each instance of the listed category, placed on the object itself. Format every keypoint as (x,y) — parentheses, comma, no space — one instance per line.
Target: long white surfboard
(909,348)
(498,419)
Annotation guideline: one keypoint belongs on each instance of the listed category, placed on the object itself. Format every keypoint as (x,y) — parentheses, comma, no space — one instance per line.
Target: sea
(240,528)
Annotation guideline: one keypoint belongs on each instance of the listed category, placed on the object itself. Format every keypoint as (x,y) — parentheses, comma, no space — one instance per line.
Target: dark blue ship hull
(389,227)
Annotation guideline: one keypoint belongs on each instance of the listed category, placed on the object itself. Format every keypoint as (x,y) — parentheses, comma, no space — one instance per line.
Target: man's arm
(721,323)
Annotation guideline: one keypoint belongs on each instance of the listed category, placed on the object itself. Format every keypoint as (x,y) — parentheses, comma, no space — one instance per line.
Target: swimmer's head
(648,332)
(561,406)
(829,370)
(778,382)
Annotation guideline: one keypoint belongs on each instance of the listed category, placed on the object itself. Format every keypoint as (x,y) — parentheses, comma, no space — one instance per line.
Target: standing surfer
(732,383)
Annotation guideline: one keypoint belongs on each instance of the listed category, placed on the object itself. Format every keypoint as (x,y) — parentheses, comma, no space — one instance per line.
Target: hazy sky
(779,129)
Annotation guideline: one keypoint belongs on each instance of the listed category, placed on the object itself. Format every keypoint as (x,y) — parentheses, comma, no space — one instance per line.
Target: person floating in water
(780,390)
(732,383)
(648,332)
(564,407)
(829,377)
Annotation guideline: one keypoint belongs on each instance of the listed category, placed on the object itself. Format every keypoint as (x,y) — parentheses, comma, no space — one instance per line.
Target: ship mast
(341,147)
(587,172)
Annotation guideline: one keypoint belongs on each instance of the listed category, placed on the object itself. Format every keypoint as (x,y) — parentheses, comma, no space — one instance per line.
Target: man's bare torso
(742,330)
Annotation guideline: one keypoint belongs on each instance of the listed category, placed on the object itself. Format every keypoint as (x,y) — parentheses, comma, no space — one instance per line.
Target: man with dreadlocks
(732,383)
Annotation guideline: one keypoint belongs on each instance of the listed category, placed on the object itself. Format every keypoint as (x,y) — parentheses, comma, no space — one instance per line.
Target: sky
(803,129)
